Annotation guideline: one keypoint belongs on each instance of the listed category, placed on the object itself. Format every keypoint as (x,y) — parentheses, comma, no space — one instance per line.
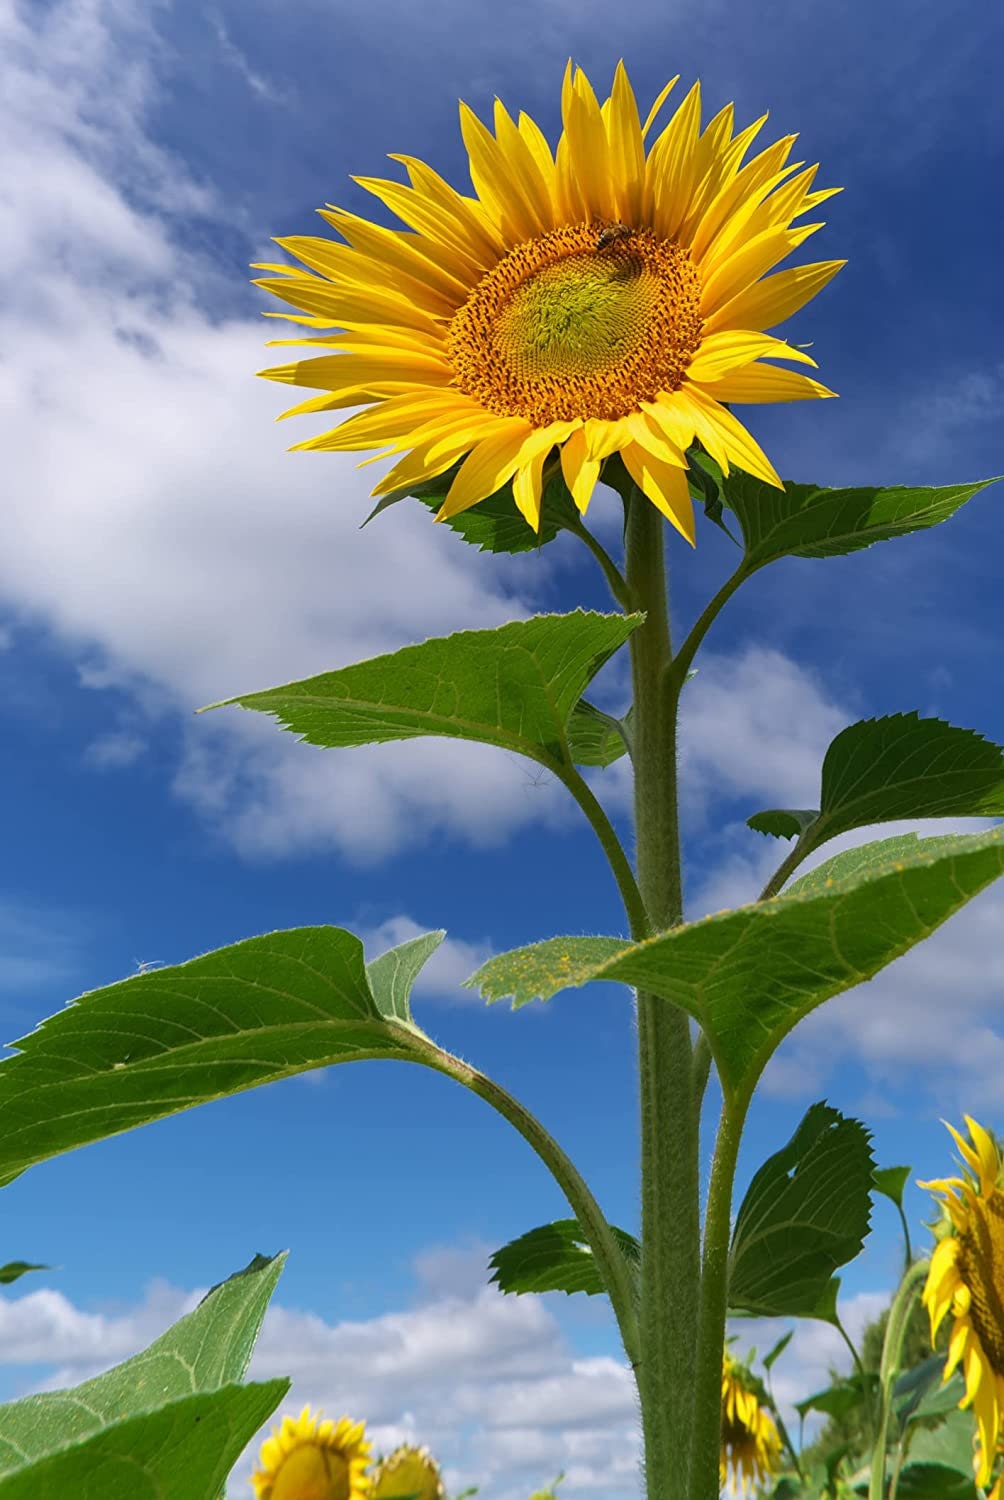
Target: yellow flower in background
(608,298)
(407,1471)
(310,1459)
(751,1447)
(967,1277)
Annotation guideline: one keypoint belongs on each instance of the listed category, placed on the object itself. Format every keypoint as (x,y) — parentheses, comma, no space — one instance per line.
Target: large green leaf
(182,1450)
(940,1461)
(171,1038)
(750,975)
(806,520)
(884,770)
(515,687)
(806,1212)
(202,1352)
(555,1258)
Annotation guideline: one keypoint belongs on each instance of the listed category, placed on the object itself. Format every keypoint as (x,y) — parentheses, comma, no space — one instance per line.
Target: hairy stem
(892,1350)
(670,1223)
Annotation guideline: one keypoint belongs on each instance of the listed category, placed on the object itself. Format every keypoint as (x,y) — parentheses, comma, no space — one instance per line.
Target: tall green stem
(670,1224)
(892,1350)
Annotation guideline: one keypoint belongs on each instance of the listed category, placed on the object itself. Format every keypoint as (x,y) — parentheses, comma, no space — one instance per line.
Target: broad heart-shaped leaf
(748,976)
(514,687)
(596,738)
(882,770)
(181,1450)
(806,520)
(14,1269)
(171,1038)
(555,1258)
(806,1212)
(202,1352)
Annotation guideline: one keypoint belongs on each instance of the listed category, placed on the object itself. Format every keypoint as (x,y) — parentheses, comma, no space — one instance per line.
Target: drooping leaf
(806,1212)
(14,1269)
(748,976)
(840,1399)
(902,766)
(163,1041)
(514,687)
(771,1359)
(806,520)
(555,1258)
(913,1386)
(596,738)
(178,1451)
(704,478)
(890,1182)
(783,823)
(205,1351)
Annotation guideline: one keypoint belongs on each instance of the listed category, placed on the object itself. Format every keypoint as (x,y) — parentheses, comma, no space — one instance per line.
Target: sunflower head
(408,1471)
(966,1278)
(309,1459)
(608,297)
(751,1447)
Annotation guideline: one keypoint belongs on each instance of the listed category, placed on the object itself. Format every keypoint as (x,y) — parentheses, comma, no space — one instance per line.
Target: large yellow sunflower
(609,298)
(751,1447)
(967,1276)
(307,1459)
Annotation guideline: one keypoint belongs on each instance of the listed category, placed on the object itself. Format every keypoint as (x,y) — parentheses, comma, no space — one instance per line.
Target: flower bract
(309,1459)
(609,297)
(967,1279)
(751,1447)
(407,1471)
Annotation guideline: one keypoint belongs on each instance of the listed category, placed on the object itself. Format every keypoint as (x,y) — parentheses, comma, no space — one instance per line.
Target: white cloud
(112,751)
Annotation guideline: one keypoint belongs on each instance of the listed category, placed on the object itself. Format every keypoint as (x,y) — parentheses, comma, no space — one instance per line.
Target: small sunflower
(967,1276)
(751,1447)
(307,1459)
(407,1471)
(608,298)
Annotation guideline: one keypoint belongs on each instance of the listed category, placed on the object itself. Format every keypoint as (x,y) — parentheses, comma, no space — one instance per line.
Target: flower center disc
(566,327)
(982,1269)
(312,1473)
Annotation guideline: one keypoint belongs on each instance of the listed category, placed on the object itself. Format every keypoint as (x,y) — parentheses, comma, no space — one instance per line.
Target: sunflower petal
(769,302)
(665,485)
(485,469)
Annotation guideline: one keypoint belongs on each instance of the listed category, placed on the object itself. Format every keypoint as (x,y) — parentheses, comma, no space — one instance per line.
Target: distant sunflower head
(967,1278)
(610,297)
(751,1447)
(407,1471)
(309,1459)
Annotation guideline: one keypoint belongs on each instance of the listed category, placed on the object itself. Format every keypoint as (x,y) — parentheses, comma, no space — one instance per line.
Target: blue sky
(162,550)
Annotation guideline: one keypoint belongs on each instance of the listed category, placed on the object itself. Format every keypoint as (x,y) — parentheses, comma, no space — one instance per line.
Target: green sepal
(806,1212)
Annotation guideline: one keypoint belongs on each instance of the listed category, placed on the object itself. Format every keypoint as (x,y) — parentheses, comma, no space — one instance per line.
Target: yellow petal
(665,485)
(491,174)
(721,353)
(485,469)
(525,177)
(660,100)
(588,151)
(669,175)
(715,424)
(764,384)
(465,261)
(468,212)
(537,145)
(648,432)
(527,481)
(627,149)
(748,263)
(769,302)
(581,472)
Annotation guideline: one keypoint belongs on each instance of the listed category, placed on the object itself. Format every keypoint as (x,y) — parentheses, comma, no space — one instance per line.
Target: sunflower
(408,1471)
(307,1459)
(967,1276)
(610,298)
(751,1447)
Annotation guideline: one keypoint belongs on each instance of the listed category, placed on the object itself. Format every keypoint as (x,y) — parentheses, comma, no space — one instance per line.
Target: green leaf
(913,1386)
(596,738)
(182,1450)
(902,766)
(865,861)
(163,1041)
(890,1182)
(515,687)
(704,477)
(201,1353)
(769,1360)
(392,975)
(940,1463)
(749,976)
(805,1213)
(806,520)
(840,1399)
(783,823)
(16,1268)
(555,1258)
(940,1399)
